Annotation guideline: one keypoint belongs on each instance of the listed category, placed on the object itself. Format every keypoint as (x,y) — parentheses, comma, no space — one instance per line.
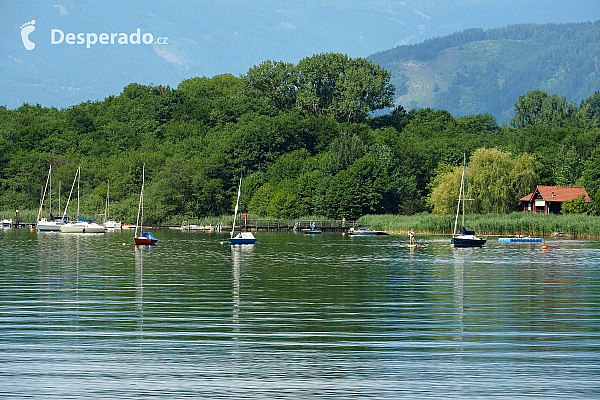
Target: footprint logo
(26,29)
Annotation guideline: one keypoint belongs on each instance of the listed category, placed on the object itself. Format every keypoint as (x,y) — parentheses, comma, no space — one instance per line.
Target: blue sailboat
(466,238)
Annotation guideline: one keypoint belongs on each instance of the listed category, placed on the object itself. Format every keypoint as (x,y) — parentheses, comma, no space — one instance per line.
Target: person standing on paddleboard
(411,236)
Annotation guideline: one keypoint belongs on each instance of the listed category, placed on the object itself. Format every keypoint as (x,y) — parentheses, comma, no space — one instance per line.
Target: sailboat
(109,223)
(144,238)
(43,224)
(242,237)
(81,226)
(466,238)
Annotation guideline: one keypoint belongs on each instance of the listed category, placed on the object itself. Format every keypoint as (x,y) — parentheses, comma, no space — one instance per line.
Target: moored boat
(144,238)
(466,238)
(109,223)
(81,225)
(242,237)
(44,224)
(309,231)
(366,232)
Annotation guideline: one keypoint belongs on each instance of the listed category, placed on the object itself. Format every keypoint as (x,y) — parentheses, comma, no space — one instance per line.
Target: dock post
(17,219)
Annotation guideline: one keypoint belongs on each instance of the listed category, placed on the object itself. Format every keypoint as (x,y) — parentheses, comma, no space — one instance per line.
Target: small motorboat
(309,231)
(365,232)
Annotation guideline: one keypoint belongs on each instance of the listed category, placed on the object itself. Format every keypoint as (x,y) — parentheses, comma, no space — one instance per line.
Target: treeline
(548,35)
(304,134)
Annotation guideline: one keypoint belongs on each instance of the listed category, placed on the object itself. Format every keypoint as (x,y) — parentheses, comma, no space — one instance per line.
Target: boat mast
(78,180)
(107,199)
(70,193)
(141,203)
(237,202)
(464,188)
(50,190)
(43,196)
(460,194)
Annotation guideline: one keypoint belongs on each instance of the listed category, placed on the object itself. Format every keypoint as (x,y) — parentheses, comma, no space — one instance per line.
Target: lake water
(296,317)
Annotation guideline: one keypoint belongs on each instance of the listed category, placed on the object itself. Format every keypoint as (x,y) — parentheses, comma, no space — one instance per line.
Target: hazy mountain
(479,71)
(208,38)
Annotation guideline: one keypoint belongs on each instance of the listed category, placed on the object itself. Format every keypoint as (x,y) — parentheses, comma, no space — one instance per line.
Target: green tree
(494,180)
(576,206)
(344,88)
(275,81)
(537,108)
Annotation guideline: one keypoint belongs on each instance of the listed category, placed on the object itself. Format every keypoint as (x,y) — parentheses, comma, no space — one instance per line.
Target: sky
(54,54)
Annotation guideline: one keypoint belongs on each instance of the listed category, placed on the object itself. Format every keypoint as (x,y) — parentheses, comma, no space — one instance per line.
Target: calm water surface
(296,317)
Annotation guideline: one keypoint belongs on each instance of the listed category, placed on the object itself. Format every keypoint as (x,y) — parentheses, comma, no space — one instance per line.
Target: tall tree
(495,180)
(537,108)
(345,88)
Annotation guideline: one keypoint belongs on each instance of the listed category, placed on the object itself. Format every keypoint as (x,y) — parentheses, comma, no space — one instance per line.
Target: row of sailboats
(81,225)
(45,224)
(143,238)
(56,223)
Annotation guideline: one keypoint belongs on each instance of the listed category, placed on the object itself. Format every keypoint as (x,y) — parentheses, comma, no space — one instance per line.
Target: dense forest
(306,139)
(477,71)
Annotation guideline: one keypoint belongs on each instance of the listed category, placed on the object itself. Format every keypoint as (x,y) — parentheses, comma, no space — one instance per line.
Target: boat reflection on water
(139,253)
(240,256)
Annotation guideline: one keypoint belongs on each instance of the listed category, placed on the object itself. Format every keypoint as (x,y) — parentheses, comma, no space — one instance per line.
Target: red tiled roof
(558,193)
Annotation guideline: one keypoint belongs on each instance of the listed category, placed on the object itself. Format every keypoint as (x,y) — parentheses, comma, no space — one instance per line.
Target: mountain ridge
(484,71)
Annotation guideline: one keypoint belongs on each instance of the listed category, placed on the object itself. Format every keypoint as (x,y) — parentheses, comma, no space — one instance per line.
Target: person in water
(411,236)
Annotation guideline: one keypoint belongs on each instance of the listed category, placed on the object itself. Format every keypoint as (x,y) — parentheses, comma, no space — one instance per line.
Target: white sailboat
(80,226)
(144,238)
(109,223)
(242,237)
(43,224)
(466,238)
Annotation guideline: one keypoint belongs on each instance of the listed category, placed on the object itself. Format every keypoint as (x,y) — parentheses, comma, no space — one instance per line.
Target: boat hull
(467,241)
(82,228)
(143,241)
(112,225)
(311,231)
(242,241)
(368,233)
(48,226)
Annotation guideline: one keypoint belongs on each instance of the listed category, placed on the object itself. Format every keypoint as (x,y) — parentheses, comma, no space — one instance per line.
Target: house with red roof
(549,199)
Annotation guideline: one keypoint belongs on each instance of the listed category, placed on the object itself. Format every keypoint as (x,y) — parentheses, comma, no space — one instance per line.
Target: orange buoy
(221,242)
(452,245)
(31,230)
(544,247)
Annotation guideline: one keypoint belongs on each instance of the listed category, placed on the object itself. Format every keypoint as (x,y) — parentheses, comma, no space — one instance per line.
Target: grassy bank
(490,224)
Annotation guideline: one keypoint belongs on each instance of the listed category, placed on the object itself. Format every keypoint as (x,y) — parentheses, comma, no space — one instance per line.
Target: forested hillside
(477,71)
(304,136)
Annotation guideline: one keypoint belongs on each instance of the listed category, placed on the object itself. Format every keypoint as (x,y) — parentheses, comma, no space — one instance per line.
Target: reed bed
(28,216)
(491,224)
